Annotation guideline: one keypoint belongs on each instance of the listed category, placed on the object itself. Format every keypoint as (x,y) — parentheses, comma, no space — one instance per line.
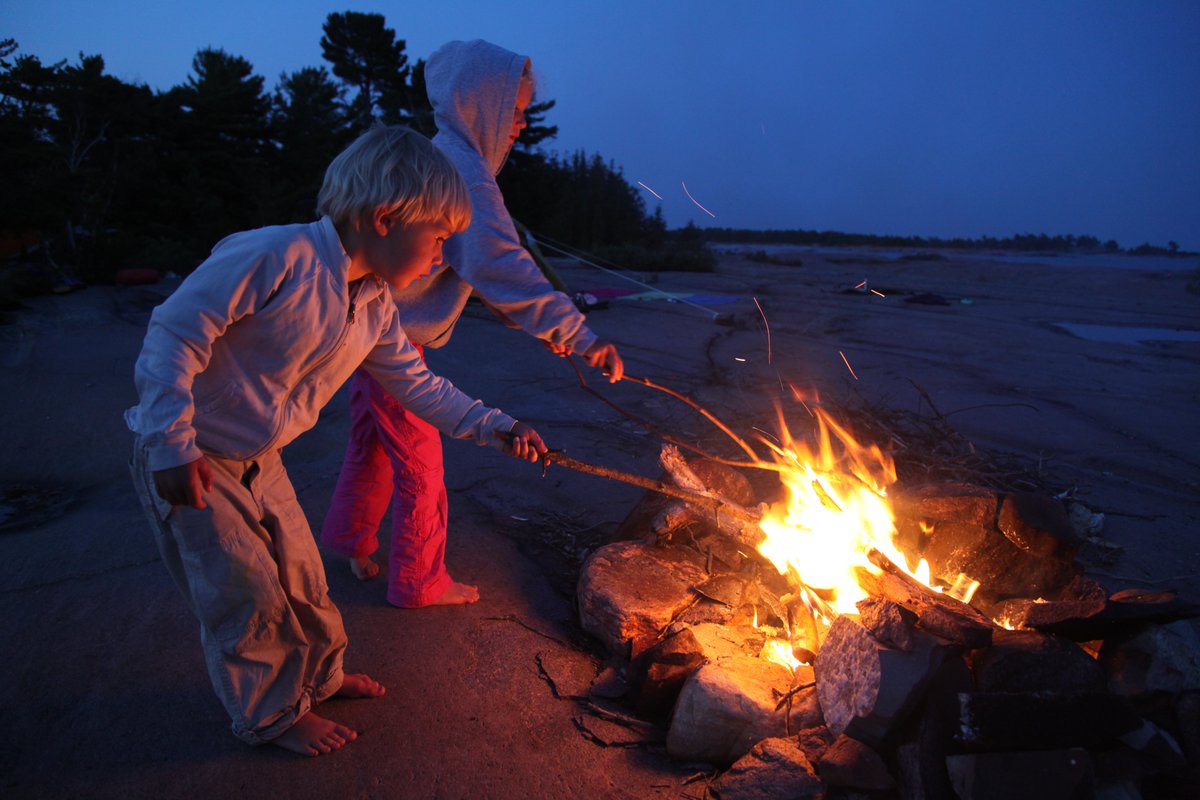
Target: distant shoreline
(901,255)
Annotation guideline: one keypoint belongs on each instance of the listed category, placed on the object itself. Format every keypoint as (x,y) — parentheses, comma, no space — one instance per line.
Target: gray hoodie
(473,88)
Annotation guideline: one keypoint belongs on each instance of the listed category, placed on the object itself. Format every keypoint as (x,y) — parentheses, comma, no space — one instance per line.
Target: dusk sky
(954,118)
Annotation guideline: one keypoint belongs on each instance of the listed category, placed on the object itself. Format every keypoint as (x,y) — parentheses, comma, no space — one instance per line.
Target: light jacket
(473,89)
(241,358)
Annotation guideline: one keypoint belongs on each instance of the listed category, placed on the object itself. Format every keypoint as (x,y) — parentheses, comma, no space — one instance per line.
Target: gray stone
(1161,660)
(1028,661)
(773,768)
(890,623)
(1045,775)
(1038,524)
(850,764)
(725,709)
(814,742)
(630,591)
(657,675)
(720,642)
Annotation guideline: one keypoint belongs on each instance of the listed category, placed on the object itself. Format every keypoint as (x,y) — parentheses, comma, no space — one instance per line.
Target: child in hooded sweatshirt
(479,94)
(237,363)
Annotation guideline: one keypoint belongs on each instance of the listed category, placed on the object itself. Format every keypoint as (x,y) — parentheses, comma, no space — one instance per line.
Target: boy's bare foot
(314,735)
(364,568)
(457,594)
(357,684)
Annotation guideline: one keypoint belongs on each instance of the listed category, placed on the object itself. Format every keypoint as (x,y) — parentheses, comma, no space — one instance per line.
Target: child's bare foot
(313,735)
(364,568)
(357,684)
(457,594)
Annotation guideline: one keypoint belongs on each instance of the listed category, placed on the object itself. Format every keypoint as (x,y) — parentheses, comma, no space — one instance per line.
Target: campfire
(850,634)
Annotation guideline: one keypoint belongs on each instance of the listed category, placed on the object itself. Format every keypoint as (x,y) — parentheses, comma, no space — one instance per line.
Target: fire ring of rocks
(913,693)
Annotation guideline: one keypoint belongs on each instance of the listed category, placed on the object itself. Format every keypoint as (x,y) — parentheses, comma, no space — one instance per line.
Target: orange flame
(836,512)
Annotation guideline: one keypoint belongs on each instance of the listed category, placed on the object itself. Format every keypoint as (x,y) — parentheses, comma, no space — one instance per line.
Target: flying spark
(702,208)
(881,294)
(764,316)
(843,355)
(651,191)
(739,358)
(864,283)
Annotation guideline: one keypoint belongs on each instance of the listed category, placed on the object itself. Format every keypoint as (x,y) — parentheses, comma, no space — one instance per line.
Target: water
(1105,260)
(1118,334)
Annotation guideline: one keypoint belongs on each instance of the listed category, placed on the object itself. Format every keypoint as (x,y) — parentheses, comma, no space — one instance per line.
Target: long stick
(756,462)
(563,460)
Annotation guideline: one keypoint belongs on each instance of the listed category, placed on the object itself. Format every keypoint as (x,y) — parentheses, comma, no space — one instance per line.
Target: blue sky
(955,118)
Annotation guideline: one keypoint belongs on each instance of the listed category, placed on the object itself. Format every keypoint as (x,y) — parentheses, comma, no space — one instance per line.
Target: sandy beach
(104,692)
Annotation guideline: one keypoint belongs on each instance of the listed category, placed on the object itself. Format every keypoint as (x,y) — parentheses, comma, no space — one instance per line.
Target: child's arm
(397,365)
(490,257)
(232,283)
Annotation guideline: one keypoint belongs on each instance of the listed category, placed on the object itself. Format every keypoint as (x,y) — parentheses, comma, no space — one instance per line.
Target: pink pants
(392,456)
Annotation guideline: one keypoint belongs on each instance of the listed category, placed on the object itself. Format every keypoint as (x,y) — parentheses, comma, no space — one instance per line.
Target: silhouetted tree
(367,56)
(99,127)
(309,126)
(420,110)
(33,194)
(221,149)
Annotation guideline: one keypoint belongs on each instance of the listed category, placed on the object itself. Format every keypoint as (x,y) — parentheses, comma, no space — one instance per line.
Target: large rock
(1047,775)
(630,592)
(1161,661)
(719,642)
(865,683)
(850,764)
(657,675)
(727,708)
(957,529)
(1028,661)
(773,768)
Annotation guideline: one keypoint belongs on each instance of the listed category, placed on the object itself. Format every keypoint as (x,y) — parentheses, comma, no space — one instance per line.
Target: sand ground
(103,692)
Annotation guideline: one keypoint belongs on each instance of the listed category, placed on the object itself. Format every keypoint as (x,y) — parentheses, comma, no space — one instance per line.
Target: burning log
(1122,614)
(940,615)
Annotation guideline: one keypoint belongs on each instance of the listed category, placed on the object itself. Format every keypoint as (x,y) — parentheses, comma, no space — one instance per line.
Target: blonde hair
(396,168)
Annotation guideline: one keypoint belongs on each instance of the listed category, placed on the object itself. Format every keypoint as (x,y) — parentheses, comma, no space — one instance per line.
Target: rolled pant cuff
(264,734)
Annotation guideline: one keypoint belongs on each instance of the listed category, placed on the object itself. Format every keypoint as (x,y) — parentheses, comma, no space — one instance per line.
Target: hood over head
(473,89)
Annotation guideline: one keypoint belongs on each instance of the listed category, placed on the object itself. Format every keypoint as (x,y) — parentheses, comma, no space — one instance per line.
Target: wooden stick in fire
(720,506)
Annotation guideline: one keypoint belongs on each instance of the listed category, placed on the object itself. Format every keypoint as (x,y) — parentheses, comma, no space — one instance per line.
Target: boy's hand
(524,443)
(186,484)
(604,356)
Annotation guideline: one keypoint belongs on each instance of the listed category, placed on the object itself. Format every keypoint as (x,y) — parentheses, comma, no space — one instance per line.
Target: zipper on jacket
(320,362)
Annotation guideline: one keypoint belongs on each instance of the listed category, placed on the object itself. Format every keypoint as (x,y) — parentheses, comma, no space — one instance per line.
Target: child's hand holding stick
(524,443)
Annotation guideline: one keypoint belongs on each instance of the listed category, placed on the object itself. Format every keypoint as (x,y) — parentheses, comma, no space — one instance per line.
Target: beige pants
(250,569)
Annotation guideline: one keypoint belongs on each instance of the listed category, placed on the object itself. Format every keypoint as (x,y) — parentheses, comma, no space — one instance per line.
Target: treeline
(1039,243)
(102,175)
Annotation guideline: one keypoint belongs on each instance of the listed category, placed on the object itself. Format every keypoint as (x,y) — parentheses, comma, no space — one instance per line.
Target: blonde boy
(236,364)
